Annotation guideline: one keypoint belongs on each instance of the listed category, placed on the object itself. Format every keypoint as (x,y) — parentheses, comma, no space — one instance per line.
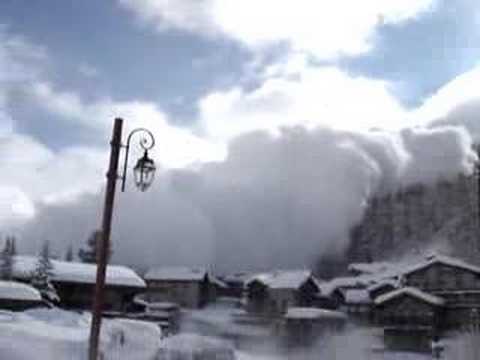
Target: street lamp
(144,172)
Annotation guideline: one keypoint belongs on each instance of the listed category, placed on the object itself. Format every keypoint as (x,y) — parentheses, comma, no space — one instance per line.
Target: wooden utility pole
(104,245)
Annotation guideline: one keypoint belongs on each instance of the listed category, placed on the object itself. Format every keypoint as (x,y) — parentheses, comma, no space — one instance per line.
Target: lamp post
(144,172)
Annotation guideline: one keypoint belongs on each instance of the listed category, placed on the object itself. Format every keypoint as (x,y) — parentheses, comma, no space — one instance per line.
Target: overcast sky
(370,95)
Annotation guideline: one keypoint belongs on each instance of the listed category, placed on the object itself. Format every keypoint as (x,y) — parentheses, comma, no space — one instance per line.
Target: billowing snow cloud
(323,28)
(277,200)
(293,179)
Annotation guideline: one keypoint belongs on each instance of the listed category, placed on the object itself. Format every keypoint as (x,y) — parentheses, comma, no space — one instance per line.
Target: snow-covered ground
(44,334)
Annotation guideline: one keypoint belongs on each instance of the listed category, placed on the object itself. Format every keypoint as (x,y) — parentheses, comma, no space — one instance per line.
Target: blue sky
(174,68)
(199,73)
(131,60)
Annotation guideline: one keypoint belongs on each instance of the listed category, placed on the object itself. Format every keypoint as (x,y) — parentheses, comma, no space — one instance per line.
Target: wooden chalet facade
(271,294)
(438,292)
(453,280)
(305,326)
(187,287)
(408,307)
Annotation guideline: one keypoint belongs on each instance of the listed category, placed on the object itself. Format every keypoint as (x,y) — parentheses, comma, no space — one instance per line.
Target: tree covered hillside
(439,217)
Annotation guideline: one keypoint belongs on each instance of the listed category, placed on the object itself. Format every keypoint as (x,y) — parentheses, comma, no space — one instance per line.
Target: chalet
(358,303)
(409,306)
(75,283)
(273,293)
(235,284)
(410,318)
(166,315)
(187,287)
(304,326)
(16,296)
(382,287)
(332,292)
(453,280)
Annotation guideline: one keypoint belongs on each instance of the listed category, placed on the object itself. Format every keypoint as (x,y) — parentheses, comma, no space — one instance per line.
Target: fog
(278,200)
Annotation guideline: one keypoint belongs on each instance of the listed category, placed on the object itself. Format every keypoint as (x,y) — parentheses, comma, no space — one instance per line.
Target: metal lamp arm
(146,143)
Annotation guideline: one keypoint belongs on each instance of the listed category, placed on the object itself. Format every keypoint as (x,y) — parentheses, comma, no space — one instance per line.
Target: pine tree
(42,274)
(6,259)
(89,255)
(69,254)
(13,246)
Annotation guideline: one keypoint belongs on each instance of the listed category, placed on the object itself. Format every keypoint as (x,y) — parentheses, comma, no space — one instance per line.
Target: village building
(382,287)
(187,287)
(273,293)
(75,283)
(410,317)
(304,326)
(165,314)
(453,280)
(16,296)
(235,284)
(332,292)
(358,304)
(409,306)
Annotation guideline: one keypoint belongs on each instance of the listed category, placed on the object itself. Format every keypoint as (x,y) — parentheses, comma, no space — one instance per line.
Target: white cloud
(20,62)
(15,207)
(42,174)
(301,94)
(175,147)
(88,71)
(323,28)
(455,103)
(460,90)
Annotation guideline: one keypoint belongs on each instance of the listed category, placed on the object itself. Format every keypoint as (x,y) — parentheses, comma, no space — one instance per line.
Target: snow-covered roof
(441,259)
(237,277)
(369,268)
(380,284)
(11,290)
(413,292)
(215,280)
(176,273)
(313,313)
(284,279)
(358,282)
(74,272)
(357,296)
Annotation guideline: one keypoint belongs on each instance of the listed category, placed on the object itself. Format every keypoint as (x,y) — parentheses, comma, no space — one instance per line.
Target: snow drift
(46,334)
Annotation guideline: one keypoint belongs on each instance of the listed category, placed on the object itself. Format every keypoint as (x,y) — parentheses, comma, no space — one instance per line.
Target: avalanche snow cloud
(278,200)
